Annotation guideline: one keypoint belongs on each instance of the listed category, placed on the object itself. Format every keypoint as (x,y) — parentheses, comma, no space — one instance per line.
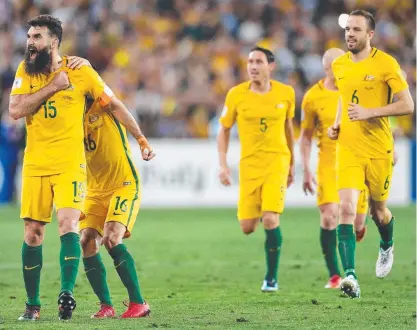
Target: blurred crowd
(172,61)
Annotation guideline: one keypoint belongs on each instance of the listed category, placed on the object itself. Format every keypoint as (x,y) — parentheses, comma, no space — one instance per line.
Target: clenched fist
(60,81)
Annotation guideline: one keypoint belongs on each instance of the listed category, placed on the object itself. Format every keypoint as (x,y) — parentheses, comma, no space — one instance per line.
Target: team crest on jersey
(93,118)
(70,87)
(369,77)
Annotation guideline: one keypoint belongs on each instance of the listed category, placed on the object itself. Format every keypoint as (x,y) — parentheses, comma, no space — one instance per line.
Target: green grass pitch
(197,270)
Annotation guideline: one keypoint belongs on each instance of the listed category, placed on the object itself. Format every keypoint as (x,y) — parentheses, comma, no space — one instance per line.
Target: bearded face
(37,60)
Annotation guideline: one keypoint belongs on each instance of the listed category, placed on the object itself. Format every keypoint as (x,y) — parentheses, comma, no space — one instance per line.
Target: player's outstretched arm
(123,115)
(223,139)
(289,133)
(22,105)
(306,140)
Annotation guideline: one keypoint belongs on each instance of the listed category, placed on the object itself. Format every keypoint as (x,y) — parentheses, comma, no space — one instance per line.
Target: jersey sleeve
(394,76)
(308,114)
(228,116)
(291,104)
(95,86)
(21,84)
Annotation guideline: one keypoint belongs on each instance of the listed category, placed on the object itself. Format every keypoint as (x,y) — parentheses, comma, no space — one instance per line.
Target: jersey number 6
(355,99)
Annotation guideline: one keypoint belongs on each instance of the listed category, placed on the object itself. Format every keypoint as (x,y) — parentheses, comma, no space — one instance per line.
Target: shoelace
(384,257)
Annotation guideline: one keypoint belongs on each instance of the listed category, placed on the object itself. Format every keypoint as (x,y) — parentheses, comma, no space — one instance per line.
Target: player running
(263,109)
(367,79)
(319,112)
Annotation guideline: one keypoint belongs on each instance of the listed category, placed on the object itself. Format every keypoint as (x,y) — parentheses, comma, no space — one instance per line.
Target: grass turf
(197,270)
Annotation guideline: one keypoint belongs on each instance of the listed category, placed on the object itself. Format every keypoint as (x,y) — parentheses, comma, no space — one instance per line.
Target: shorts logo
(127,183)
(114,213)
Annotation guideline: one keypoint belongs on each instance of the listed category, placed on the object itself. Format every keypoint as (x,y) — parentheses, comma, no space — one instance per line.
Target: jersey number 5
(49,109)
(263,127)
(355,99)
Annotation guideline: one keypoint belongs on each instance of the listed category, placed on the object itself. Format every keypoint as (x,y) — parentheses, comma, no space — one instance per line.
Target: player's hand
(75,62)
(60,81)
(395,158)
(357,112)
(309,182)
(225,176)
(147,151)
(291,175)
(333,132)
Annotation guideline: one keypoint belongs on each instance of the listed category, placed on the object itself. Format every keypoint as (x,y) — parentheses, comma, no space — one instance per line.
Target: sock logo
(120,263)
(70,258)
(30,268)
(89,270)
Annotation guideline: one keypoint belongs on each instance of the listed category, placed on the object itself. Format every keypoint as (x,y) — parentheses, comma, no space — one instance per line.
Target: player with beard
(52,98)
(263,110)
(367,79)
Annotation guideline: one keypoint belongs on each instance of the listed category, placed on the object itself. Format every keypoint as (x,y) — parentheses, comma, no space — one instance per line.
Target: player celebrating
(263,109)
(112,203)
(51,97)
(319,112)
(367,79)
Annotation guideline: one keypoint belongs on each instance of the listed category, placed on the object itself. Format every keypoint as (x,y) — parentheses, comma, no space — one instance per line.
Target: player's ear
(371,34)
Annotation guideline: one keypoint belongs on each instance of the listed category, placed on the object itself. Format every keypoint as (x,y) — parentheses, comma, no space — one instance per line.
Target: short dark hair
(368,16)
(53,24)
(269,55)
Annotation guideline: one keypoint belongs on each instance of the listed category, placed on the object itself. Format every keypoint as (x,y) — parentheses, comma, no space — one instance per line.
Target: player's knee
(270,220)
(347,210)
(68,220)
(34,232)
(110,241)
(248,230)
(328,219)
(379,214)
(90,243)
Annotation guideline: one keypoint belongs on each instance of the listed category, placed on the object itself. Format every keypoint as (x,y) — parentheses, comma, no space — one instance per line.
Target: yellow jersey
(109,160)
(55,133)
(319,108)
(371,83)
(260,121)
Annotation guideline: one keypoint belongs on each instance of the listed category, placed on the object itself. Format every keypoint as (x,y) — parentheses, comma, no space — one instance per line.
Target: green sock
(328,242)
(125,267)
(32,265)
(273,244)
(386,232)
(96,274)
(347,245)
(69,260)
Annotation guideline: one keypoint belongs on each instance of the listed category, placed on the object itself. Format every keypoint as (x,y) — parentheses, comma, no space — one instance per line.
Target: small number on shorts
(122,205)
(78,188)
(386,184)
